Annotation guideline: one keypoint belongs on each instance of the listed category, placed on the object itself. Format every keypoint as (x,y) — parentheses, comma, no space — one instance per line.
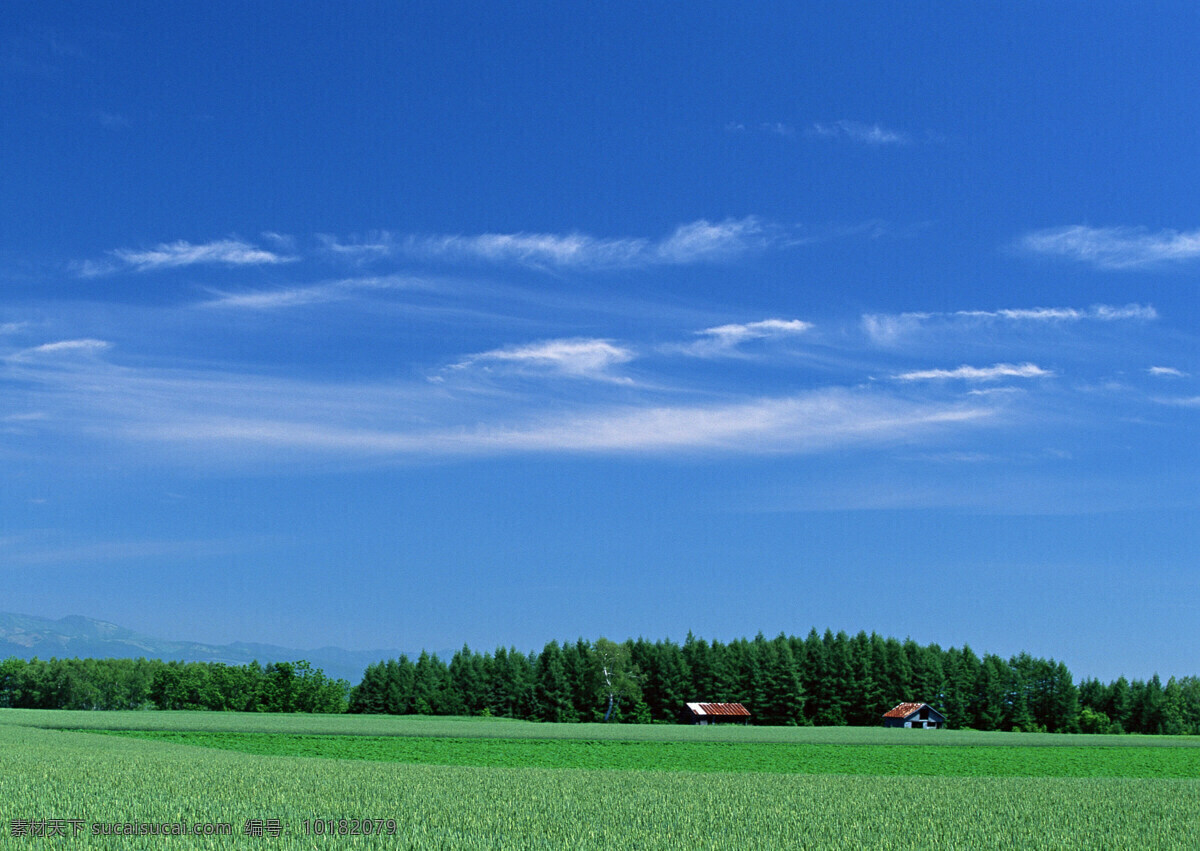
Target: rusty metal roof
(735,710)
(903,710)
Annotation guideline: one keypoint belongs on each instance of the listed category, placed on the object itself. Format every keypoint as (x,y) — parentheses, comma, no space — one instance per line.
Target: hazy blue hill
(27,636)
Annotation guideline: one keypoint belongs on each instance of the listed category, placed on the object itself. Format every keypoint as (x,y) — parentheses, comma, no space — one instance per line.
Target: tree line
(819,679)
(155,684)
(829,679)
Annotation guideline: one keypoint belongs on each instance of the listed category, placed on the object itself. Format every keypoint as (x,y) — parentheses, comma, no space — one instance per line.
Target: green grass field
(506,728)
(613,787)
(734,757)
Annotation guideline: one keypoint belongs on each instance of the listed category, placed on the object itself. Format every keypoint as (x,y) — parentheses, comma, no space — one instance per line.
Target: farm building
(919,715)
(716,713)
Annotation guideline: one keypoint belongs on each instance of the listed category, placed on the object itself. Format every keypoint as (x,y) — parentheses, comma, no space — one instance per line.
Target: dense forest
(829,679)
(154,684)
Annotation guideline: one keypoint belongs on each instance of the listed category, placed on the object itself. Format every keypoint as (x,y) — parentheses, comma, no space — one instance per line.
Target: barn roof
(735,710)
(903,710)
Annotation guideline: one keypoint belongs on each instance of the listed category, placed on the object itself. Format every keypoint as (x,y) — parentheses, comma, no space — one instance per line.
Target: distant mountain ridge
(27,636)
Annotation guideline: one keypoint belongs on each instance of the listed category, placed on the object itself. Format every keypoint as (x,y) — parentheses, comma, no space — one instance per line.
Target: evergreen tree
(1119,705)
(1149,705)
(1017,715)
(725,674)
(961,668)
(750,687)
(1190,689)
(898,672)
(814,673)
(552,693)
(928,678)
(840,672)
(468,681)
(992,689)
(1092,695)
(398,690)
(577,669)
(1061,700)
(866,701)
(784,695)
(671,681)
(698,658)
(367,696)
(431,687)
(1173,711)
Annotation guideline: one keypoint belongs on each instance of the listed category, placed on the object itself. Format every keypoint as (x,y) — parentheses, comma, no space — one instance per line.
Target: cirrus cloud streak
(695,242)
(723,340)
(212,417)
(580,358)
(976,373)
(1115,248)
(887,329)
(803,424)
(171,255)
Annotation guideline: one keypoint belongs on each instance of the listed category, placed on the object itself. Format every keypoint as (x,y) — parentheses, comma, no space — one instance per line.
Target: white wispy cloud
(861,132)
(694,242)
(534,248)
(326,291)
(576,357)
(372,247)
(169,255)
(776,128)
(888,329)
(220,418)
(282,241)
(1181,401)
(977,373)
(274,299)
(1167,371)
(725,339)
(39,552)
(1115,247)
(996,391)
(1129,311)
(701,241)
(1100,312)
(86,346)
(798,424)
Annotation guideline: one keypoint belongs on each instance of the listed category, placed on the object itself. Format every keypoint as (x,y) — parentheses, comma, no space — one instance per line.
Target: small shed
(919,715)
(716,713)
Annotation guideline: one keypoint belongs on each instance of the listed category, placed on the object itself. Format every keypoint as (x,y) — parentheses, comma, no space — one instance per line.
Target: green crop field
(860,787)
(736,757)
(506,728)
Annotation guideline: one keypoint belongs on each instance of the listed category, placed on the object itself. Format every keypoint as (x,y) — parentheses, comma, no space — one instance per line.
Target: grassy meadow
(485,783)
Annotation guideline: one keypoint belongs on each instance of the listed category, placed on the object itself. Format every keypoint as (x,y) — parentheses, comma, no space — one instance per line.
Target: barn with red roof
(918,715)
(716,713)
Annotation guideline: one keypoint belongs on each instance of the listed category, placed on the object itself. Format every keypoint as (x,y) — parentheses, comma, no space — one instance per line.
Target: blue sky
(381,325)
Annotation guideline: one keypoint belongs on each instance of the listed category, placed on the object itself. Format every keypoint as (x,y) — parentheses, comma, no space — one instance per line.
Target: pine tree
(784,695)
(698,658)
(468,681)
(1119,705)
(552,694)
